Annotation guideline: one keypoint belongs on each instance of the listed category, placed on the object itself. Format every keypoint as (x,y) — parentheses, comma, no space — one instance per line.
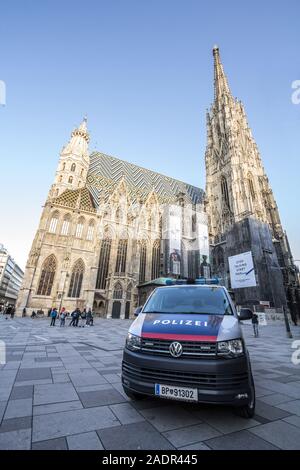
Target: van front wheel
(247,411)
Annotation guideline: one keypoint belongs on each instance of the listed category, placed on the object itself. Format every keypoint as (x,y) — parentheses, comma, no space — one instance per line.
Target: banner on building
(172,232)
(241,270)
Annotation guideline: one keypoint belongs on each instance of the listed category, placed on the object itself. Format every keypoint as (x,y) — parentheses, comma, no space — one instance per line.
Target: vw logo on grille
(175,349)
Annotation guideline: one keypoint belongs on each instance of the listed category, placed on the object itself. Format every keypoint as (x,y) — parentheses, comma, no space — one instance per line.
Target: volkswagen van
(187,344)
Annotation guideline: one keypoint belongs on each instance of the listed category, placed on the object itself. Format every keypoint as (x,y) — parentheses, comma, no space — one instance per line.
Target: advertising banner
(241,269)
(172,233)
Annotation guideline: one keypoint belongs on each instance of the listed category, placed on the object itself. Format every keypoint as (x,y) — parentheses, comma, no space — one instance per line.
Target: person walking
(62,317)
(77,317)
(53,316)
(89,318)
(82,318)
(24,312)
(255,324)
(12,313)
(72,322)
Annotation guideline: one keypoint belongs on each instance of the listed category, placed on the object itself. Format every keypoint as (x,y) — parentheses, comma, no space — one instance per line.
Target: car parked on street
(187,344)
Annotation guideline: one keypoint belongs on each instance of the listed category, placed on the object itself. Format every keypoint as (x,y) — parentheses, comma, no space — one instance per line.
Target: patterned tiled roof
(78,198)
(106,172)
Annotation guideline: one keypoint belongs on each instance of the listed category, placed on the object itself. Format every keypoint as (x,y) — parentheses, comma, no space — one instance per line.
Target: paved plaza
(61,389)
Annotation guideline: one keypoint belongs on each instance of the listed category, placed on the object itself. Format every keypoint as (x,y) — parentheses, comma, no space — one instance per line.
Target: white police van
(187,344)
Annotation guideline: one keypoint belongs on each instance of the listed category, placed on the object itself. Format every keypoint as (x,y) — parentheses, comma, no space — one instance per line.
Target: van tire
(248,411)
(133,395)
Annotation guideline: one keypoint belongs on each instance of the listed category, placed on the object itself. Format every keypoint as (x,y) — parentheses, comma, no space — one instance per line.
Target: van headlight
(133,342)
(233,347)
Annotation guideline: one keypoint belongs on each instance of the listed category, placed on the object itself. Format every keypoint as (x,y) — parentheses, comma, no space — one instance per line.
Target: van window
(190,299)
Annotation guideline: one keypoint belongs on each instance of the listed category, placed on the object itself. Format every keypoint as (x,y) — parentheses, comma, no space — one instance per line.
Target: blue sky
(142,72)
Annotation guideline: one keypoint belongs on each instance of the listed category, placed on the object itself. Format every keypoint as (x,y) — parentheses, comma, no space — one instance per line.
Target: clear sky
(143,73)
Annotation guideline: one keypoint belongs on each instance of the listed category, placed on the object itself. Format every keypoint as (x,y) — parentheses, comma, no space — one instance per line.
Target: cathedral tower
(242,212)
(73,164)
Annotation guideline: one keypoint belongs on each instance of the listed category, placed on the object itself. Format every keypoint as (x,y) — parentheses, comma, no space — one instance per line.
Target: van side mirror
(138,310)
(245,314)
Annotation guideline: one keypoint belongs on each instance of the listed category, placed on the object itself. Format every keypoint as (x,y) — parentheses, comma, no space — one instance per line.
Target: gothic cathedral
(242,211)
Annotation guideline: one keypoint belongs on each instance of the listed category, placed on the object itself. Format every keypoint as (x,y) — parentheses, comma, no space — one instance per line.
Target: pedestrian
(62,316)
(77,317)
(72,322)
(82,318)
(12,313)
(24,312)
(89,318)
(255,324)
(53,316)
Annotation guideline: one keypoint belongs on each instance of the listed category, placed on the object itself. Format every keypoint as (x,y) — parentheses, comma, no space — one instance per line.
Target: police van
(187,344)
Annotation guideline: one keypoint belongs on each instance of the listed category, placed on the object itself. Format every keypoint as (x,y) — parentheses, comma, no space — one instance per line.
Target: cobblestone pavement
(61,389)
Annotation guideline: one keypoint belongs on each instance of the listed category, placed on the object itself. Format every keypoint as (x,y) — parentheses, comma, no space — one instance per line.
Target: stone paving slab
(126,413)
(85,441)
(100,398)
(52,444)
(241,440)
(33,373)
(191,434)
(19,408)
(280,434)
(56,407)
(166,418)
(54,393)
(13,424)
(19,439)
(137,436)
(22,391)
(62,424)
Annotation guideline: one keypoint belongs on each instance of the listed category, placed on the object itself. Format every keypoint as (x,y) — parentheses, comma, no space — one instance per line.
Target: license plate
(176,393)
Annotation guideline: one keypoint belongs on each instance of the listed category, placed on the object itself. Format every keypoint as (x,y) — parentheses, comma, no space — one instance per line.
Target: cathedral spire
(220,82)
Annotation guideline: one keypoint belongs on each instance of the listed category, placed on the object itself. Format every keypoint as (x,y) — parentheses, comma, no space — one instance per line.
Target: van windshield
(206,300)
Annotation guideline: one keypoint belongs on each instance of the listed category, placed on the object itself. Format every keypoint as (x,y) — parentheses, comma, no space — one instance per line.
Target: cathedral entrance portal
(127,309)
(116,310)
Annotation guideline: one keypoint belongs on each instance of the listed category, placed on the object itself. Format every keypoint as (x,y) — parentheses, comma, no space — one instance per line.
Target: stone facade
(106,226)
(242,211)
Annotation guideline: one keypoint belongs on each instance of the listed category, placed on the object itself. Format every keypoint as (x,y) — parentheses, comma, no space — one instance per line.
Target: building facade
(242,212)
(11,276)
(107,226)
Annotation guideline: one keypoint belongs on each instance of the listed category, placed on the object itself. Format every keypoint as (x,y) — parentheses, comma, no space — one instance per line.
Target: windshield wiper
(155,311)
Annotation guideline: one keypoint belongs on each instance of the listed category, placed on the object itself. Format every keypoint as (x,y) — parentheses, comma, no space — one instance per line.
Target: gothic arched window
(79,227)
(121,256)
(251,186)
(76,279)
(60,179)
(118,291)
(143,256)
(65,226)
(90,231)
(53,222)
(63,166)
(70,179)
(47,276)
(155,260)
(82,171)
(103,265)
(225,193)
(73,167)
